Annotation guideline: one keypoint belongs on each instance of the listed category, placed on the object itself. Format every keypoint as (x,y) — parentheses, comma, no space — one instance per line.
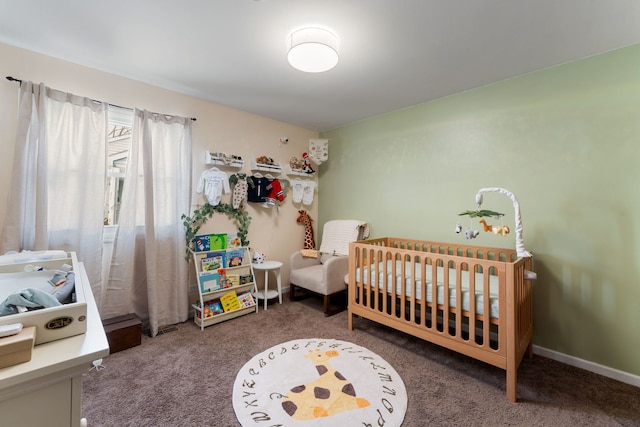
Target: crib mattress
(416,284)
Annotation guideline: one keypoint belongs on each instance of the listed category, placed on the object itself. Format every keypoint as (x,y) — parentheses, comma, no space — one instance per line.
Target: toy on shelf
(306,167)
(266,164)
(300,167)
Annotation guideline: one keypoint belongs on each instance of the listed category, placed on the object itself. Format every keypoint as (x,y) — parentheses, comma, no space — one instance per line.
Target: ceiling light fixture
(312,50)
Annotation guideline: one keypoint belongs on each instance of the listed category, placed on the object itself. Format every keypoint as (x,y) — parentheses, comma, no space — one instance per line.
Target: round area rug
(318,382)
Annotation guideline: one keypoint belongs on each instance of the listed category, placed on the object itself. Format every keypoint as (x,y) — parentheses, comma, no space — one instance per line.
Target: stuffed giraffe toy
(330,394)
(487,227)
(309,248)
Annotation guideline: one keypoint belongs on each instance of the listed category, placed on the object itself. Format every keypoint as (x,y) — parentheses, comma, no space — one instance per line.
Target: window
(118,143)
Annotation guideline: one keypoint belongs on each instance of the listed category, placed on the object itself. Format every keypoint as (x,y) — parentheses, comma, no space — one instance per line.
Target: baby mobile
(502,230)
(471,233)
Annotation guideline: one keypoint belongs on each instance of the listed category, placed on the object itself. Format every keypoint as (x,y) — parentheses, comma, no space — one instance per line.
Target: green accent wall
(566,142)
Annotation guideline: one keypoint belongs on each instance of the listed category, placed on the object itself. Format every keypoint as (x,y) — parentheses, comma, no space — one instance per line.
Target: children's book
(210,309)
(246,300)
(235,257)
(216,307)
(230,301)
(209,282)
(210,242)
(214,261)
(233,241)
(233,280)
(224,281)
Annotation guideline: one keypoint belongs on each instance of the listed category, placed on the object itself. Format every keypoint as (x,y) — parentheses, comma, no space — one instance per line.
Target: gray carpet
(185,377)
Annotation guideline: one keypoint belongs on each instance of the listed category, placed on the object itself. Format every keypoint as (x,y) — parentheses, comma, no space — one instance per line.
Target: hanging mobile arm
(520,250)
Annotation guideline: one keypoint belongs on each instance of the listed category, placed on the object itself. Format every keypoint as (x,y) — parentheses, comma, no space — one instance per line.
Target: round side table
(267,294)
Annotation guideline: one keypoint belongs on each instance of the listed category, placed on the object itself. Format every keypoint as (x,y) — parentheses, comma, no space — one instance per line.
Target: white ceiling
(393,53)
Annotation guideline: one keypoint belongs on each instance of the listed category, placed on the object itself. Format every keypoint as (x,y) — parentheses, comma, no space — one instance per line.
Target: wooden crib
(400,283)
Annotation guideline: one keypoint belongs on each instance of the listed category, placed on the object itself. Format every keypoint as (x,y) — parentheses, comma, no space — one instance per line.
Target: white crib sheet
(479,299)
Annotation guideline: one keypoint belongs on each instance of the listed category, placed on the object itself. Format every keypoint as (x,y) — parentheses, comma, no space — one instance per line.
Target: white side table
(267,294)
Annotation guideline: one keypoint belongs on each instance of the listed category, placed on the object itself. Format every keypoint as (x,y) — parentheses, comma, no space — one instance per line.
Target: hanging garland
(200,216)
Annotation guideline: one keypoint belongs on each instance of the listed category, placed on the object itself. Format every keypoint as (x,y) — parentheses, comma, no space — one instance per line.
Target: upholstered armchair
(324,275)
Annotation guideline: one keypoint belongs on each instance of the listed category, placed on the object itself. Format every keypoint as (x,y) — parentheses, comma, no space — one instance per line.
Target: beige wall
(566,141)
(217,128)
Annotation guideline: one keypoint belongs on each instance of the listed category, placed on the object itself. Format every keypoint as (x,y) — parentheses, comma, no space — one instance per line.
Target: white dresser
(47,391)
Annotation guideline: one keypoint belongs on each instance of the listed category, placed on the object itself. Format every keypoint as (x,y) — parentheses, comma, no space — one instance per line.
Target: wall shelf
(298,172)
(212,159)
(265,168)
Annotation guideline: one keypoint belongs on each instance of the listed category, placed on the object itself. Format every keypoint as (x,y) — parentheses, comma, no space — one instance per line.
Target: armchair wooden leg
(326,305)
(292,293)
(296,294)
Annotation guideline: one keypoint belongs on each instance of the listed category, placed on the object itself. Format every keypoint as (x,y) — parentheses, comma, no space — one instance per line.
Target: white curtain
(55,200)
(149,275)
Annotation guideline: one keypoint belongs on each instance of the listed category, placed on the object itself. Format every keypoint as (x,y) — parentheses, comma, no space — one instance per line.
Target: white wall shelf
(213,159)
(265,168)
(298,172)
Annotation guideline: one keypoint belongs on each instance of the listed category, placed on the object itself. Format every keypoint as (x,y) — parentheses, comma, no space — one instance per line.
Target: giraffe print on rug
(330,394)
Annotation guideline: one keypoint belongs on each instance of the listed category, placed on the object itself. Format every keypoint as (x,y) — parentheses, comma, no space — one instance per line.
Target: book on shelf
(214,261)
(230,301)
(246,278)
(235,257)
(210,309)
(214,280)
(233,280)
(210,242)
(210,281)
(233,241)
(246,300)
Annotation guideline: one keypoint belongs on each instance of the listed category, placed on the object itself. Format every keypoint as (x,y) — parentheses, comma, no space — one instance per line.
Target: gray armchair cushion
(324,279)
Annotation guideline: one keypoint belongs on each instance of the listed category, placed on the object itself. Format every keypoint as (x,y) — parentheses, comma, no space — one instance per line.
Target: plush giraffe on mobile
(328,395)
(309,242)
(487,227)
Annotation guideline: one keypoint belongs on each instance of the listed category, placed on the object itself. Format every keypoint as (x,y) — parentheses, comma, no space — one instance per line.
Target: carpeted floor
(186,377)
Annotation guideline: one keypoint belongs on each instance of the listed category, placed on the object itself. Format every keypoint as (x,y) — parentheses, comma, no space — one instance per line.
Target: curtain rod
(13,79)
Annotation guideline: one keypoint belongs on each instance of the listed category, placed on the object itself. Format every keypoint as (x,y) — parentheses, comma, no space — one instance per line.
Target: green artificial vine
(200,216)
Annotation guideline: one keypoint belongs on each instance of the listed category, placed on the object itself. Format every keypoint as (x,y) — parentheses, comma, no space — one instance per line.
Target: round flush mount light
(312,50)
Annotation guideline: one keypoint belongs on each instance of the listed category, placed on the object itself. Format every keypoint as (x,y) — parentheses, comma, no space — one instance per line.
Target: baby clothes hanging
(298,190)
(260,189)
(308,190)
(213,182)
(240,188)
(275,193)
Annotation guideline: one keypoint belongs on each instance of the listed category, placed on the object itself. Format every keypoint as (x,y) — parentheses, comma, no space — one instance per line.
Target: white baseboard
(605,371)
